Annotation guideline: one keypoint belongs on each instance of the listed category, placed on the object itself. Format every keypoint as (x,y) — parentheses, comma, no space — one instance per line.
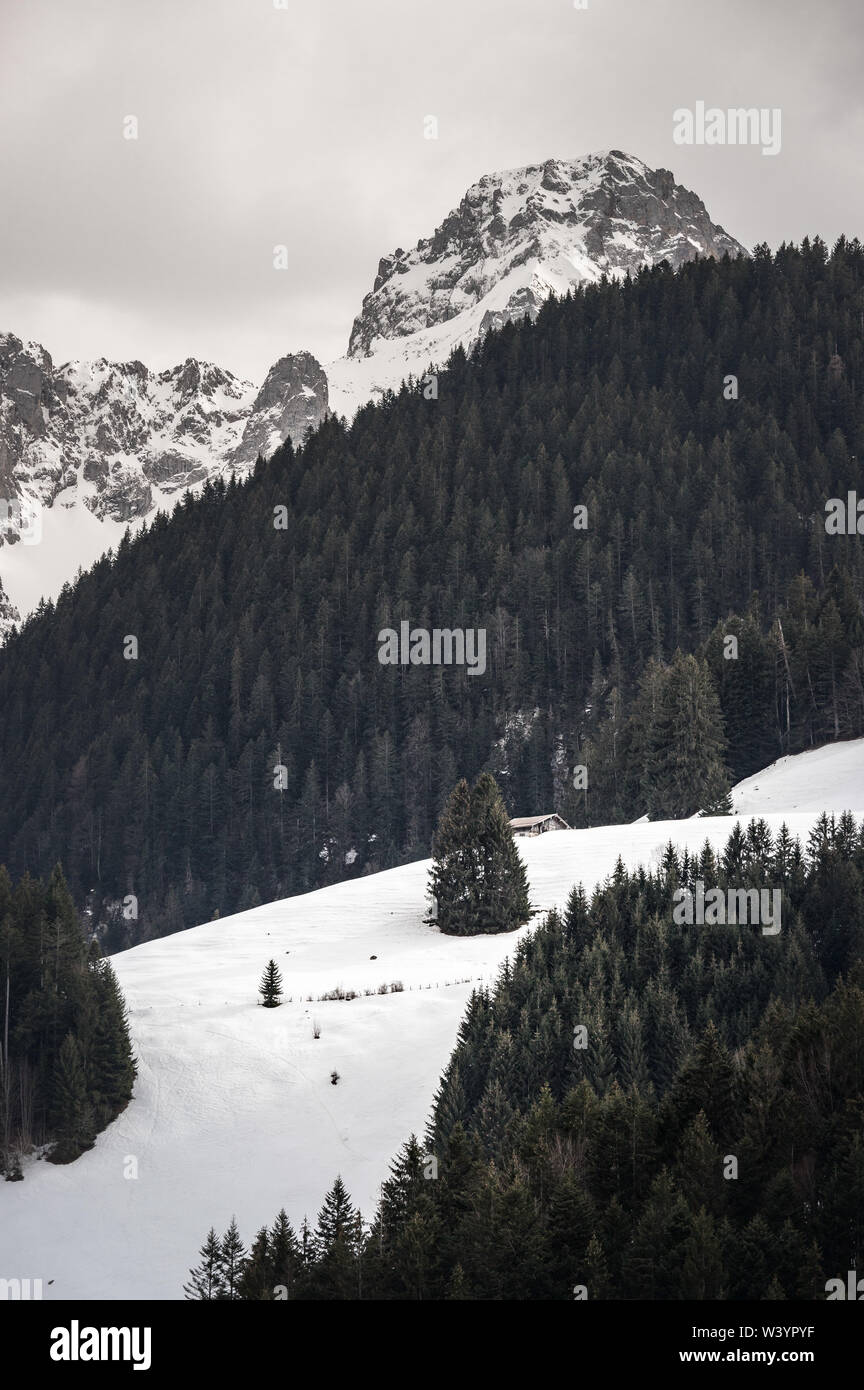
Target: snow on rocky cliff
(102,445)
(515,238)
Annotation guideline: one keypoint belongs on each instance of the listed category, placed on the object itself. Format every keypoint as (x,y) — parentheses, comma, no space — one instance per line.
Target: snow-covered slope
(234,1111)
(515,238)
(822,777)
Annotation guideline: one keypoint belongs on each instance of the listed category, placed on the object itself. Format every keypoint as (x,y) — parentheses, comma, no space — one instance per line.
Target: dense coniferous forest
(66,1064)
(637,1110)
(256,607)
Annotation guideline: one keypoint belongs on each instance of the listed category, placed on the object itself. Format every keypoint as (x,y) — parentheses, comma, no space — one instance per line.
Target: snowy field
(824,777)
(234,1111)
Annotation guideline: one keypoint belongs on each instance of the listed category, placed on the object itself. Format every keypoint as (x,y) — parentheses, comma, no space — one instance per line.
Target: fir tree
(284,1255)
(111,1066)
(72,1118)
(502,888)
(206,1279)
(684,768)
(452,880)
(478,881)
(335,1271)
(271,986)
(232,1259)
(256,1279)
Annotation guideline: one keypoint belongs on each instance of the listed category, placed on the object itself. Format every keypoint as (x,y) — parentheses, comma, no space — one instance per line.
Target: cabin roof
(523,822)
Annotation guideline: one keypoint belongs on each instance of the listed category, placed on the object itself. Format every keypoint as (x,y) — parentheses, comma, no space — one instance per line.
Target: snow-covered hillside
(829,776)
(234,1111)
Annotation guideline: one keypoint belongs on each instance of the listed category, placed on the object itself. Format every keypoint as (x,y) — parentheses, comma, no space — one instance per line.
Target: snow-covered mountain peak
(109,442)
(521,234)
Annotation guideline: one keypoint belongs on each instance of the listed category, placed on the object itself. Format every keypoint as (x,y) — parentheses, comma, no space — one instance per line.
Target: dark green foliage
(205,1280)
(69,1069)
(283,1257)
(111,1065)
(678,741)
(555,1174)
(477,881)
(71,1116)
(256,1283)
(270,988)
(232,1261)
(336,1269)
(258,647)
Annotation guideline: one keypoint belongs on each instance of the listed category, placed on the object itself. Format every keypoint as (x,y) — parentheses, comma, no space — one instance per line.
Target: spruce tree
(232,1260)
(256,1280)
(283,1254)
(206,1280)
(271,986)
(502,889)
(111,1067)
(477,880)
(684,769)
(71,1113)
(334,1274)
(452,879)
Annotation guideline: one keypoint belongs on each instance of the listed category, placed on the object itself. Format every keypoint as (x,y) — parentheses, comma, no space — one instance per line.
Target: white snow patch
(822,778)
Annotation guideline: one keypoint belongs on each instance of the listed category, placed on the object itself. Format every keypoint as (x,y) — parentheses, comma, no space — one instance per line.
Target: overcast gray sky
(304,126)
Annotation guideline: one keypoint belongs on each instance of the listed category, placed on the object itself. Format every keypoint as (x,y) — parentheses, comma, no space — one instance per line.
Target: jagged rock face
(292,400)
(109,442)
(111,430)
(518,236)
(8,612)
(126,439)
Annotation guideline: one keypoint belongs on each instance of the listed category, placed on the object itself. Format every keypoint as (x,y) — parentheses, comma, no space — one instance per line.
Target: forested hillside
(149,766)
(635,1111)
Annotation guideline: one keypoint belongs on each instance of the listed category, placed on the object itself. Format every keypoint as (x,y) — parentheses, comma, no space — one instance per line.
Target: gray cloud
(303,126)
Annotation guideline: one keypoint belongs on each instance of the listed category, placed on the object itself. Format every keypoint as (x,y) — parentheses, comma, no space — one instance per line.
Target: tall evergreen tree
(477,881)
(271,986)
(71,1113)
(206,1279)
(232,1260)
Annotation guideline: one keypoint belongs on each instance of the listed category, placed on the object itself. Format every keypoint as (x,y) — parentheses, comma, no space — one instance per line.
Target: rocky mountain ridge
(101,445)
(533,231)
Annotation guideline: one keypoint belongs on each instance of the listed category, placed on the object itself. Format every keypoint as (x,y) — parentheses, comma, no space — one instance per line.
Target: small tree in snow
(271,986)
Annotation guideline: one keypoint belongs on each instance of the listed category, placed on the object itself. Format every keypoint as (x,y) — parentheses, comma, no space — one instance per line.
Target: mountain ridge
(118,442)
(600,213)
